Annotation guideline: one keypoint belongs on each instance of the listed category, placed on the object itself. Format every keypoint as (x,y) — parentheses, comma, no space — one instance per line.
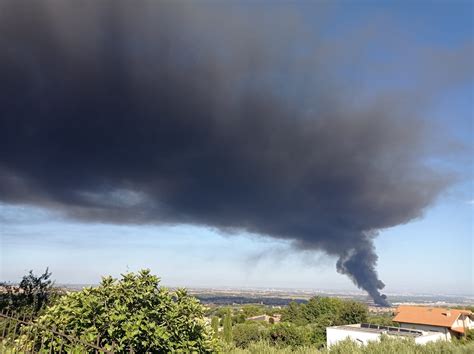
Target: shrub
(246,333)
(130,313)
(264,347)
(215,325)
(317,333)
(470,335)
(227,330)
(385,346)
(400,346)
(287,334)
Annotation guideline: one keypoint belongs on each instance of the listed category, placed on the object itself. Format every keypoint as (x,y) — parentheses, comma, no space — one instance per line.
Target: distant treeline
(229,300)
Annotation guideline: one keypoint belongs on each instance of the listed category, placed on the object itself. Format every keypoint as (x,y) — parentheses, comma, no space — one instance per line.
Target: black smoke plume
(226,116)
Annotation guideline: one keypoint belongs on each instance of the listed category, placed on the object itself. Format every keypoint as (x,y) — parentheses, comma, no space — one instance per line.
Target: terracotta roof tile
(434,316)
(458,329)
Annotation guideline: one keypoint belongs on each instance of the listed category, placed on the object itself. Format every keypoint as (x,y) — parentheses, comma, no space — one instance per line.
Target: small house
(450,322)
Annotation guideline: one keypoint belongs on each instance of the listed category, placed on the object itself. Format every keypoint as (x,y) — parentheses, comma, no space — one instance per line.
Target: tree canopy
(133,313)
(31,295)
(326,311)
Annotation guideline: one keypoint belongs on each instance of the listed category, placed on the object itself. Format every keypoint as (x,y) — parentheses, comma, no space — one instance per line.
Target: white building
(450,322)
(364,333)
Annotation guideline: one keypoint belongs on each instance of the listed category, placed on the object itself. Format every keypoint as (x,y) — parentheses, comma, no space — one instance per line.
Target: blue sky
(432,254)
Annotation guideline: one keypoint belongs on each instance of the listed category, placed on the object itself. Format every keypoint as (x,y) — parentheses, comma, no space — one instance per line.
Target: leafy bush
(400,346)
(287,334)
(131,313)
(470,335)
(386,346)
(264,347)
(246,333)
(317,333)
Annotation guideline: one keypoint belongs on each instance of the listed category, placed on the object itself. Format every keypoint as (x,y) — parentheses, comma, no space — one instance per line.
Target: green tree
(133,313)
(253,310)
(31,295)
(215,325)
(221,312)
(353,312)
(288,334)
(382,319)
(246,333)
(331,310)
(228,326)
(239,318)
(293,313)
(317,330)
(322,306)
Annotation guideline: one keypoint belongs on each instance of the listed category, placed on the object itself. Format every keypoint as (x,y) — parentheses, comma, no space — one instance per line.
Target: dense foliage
(386,345)
(279,335)
(130,313)
(330,311)
(304,330)
(247,333)
(240,313)
(135,313)
(215,325)
(227,331)
(30,296)
(470,335)
(302,324)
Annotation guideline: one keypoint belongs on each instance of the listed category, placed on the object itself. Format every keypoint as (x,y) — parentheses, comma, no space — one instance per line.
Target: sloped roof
(433,316)
(458,329)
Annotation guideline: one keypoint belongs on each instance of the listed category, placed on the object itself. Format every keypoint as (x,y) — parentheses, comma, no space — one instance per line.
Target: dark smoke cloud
(209,115)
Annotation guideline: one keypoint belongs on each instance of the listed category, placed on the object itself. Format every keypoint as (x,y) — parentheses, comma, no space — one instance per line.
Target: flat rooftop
(393,331)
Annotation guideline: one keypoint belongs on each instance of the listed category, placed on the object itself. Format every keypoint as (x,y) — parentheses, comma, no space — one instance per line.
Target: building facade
(364,333)
(450,322)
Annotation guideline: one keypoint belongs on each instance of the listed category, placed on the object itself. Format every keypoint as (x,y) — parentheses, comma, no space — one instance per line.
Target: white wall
(469,322)
(335,335)
(464,321)
(427,328)
(432,337)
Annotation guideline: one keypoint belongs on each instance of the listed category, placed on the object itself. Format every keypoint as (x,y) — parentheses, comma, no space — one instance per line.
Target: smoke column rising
(171,113)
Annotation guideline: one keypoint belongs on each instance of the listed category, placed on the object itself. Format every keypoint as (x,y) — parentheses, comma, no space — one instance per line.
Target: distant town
(281,297)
